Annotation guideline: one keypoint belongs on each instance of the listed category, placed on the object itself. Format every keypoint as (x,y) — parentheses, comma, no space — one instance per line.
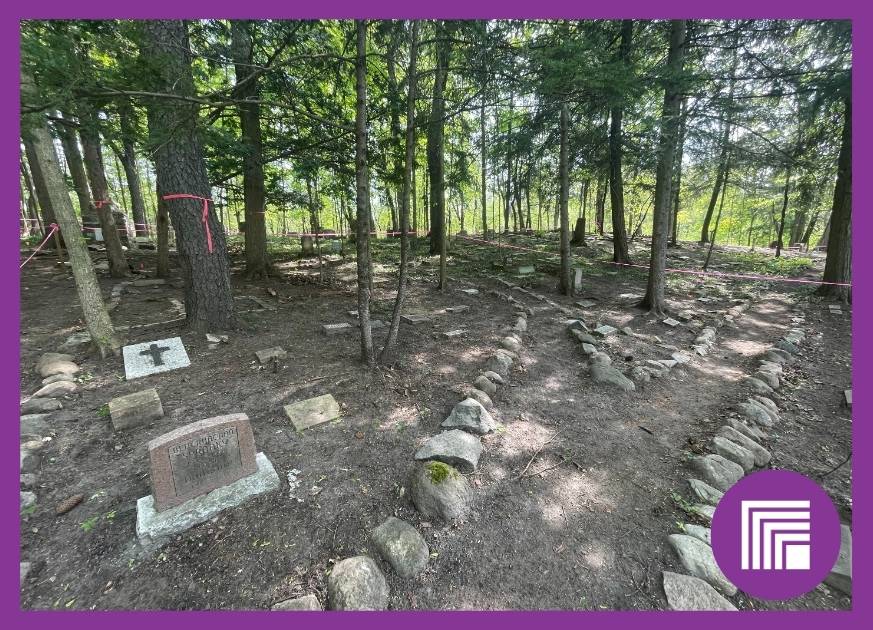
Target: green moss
(439,472)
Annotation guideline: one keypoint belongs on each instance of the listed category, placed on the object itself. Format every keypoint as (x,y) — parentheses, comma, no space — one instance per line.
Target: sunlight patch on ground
(400,417)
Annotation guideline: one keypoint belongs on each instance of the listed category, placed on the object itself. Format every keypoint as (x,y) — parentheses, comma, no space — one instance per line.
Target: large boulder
(39,406)
(697,558)
(51,357)
(501,363)
(685,592)
(717,471)
(456,448)
(57,366)
(485,385)
(438,491)
(610,376)
(400,544)
(470,415)
(357,584)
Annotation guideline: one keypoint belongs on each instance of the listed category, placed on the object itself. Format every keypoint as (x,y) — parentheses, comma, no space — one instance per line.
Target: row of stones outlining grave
(736,450)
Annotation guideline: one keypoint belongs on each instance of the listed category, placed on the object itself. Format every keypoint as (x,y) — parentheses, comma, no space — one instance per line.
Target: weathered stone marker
(135,409)
(577,279)
(265,356)
(153,357)
(199,470)
(336,329)
(312,412)
(415,319)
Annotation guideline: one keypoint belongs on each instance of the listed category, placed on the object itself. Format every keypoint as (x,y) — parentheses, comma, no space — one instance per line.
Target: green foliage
(439,472)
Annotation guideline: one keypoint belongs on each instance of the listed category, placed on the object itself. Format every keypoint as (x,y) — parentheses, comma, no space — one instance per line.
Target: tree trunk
(162,224)
(600,204)
(838,266)
(718,216)
(507,208)
(435,147)
(566,284)
(76,166)
(807,234)
(102,205)
(677,175)
(257,260)
(32,206)
(406,192)
(616,183)
(181,170)
(654,298)
(483,147)
(42,192)
(131,172)
(362,180)
(94,310)
(781,231)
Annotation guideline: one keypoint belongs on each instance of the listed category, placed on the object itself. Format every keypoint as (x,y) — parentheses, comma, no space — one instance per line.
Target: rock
(749,431)
(76,340)
(769,378)
(704,492)
(481,397)
(27,499)
(28,480)
(52,357)
(685,592)
(672,323)
(600,358)
(668,363)
(775,355)
(50,368)
(456,448)
(34,424)
(307,602)
(438,491)
(500,363)
(610,376)
(795,336)
(756,414)
(267,355)
(485,385)
(656,368)
(470,415)
(758,386)
(734,452)
(717,471)
(701,533)
(216,338)
(520,325)
(680,357)
(640,375)
(769,366)
(787,346)
(400,544)
(510,344)
(761,455)
(28,460)
(509,353)
(494,377)
(68,504)
(605,330)
(39,405)
(589,349)
(583,337)
(451,334)
(840,576)
(24,569)
(135,409)
(697,558)
(769,404)
(756,403)
(705,512)
(357,584)
(58,377)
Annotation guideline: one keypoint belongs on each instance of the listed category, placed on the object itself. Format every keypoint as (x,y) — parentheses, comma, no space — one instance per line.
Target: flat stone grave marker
(587,303)
(458,309)
(336,329)
(153,357)
(265,356)
(375,324)
(451,334)
(353,314)
(415,319)
(672,323)
(847,395)
(526,270)
(312,412)
(135,409)
(470,291)
(605,330)
(197,471)
(577,278)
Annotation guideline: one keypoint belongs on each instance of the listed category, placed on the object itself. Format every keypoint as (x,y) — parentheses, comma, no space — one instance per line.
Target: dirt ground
(587,532)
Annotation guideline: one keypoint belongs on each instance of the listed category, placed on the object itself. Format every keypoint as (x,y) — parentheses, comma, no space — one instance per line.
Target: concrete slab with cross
(153,357)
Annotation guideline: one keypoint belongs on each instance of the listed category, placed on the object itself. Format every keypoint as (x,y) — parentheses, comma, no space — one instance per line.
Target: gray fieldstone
(267,355)
(769,378)
(717,471)
(734,452)
(704,492)
(640,375)
(307,602)
(520,325)
(485,385)
(400,544)
(668,363)
(771,367)
(583,336)
(34,424)
(135,409)
(512,355)
(23,571)
(610,376)
(312,412)
(600,358)
(787,346)
(357,584)
(761,455)
(840,576)
(510,344)
(470,415)
(688,593)
(769,404)
(338,328)
(776,356)
(39,406)
(438,491)
(455,447)
(672,323)
(795,336)
(758,386)
(28,460)
(697,558)
(28,480)
(657,368)
(701,533)
(500,363)
(494,377)
(680,357)
(589,349)
(50,368)
(451,334)
(54,378)
(756,414)
(704,511)
(480,397)
(51,357)
(605,330)
(756,403)
(752,432)
(26,499)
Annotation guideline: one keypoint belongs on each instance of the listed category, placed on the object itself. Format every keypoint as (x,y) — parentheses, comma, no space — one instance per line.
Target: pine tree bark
(181,169)
(654,298)
(257,260)
(42,193)
(362,181)
(102,205)
(32,205)
(97,319)
(677,175)
(406,192)
(566,284)
(74,162)
(435,146)
(838,265)
(600,204)
(483,148)
(616,183)
(131,172)
(781,231)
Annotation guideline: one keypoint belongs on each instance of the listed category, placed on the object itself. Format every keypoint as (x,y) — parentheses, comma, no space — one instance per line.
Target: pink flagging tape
(204,217)
(54,228)
(99,203)
(717,274)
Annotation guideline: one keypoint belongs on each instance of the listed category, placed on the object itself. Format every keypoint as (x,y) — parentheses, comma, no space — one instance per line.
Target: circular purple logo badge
(776,534)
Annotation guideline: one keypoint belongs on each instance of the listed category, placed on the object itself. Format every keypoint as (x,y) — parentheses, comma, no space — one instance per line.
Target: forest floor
(588,533)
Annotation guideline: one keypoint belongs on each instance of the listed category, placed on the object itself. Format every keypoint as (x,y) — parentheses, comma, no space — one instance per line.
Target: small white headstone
(672,323)
(415,319)
(605,330)
(153,357)
(587,303)
(470,291)
(335,329)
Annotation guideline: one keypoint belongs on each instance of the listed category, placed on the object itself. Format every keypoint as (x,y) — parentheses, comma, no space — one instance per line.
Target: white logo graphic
(775,535)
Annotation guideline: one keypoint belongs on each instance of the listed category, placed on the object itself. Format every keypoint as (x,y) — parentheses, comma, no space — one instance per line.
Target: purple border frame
(9,385)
